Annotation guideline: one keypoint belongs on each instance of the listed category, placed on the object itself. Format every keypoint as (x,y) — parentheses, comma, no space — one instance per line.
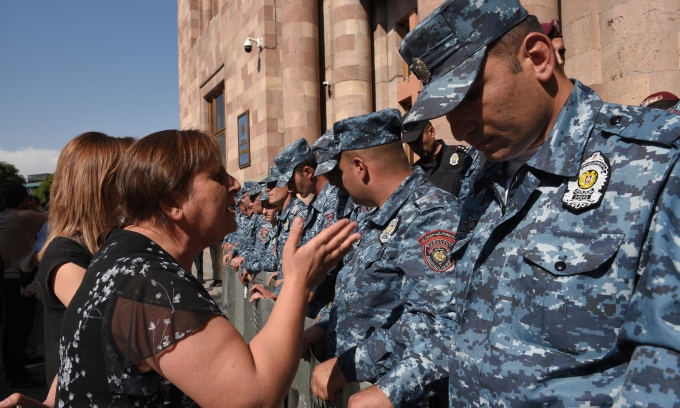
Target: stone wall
(624,49)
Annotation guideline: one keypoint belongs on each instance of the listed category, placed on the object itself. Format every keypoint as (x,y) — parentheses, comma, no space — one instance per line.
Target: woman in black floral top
(141,331)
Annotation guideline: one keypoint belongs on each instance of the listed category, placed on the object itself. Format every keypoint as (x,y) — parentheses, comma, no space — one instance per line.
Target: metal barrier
(249,318)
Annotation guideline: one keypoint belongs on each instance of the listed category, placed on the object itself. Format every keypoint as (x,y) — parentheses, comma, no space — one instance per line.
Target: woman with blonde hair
(83,206)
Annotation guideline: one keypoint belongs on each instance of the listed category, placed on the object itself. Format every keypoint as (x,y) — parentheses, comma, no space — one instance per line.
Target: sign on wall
(243,140)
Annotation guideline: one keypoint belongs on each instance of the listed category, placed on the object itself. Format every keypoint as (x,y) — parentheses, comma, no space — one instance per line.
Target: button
(615,120)
(560,266)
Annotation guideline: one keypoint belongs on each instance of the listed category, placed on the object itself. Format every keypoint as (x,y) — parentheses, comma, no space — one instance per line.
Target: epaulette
(429,201)
(638,123)
(461,148)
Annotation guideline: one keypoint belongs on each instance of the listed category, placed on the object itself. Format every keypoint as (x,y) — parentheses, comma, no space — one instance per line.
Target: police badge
(286,225)
(437,246)
(390,230)
(420,70)
(454,159)
(262,234)
(589,188)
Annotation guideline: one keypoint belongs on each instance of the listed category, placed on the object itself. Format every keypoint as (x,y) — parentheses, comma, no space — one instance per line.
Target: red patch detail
(262,234)
(437,246)
(329,220)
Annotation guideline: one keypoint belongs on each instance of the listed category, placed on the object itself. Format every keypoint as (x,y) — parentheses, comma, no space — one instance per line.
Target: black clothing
(134,302)
(60,251)
(446,171)
(18,324)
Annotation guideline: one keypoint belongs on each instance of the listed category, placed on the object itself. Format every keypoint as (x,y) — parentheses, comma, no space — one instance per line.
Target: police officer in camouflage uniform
(568,246)
(401,273)
(263,254)
(253,190)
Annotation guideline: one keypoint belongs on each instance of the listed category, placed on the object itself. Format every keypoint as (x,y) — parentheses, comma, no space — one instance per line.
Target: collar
(285,213)
(322,198)
(562,151)
(383,215)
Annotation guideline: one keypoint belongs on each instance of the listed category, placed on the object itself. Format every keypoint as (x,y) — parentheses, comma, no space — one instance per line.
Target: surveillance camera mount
(258,42)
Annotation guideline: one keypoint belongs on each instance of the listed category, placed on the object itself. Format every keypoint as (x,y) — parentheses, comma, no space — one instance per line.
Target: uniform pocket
(570,297)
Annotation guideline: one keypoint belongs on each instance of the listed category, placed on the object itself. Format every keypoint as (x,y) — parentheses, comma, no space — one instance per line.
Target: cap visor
(284,178)
(411,136)
(442,95)
(325,167)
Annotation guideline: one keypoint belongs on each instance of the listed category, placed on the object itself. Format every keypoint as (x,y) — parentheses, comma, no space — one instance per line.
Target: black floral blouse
(134,302)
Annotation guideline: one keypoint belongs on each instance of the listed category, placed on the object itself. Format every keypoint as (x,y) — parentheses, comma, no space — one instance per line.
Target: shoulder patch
(638,123)
(437,247)
(263,233)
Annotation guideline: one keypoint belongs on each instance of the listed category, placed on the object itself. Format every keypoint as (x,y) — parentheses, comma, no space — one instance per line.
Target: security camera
(248,45)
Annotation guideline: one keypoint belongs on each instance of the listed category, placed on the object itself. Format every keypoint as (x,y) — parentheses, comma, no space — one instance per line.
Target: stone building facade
(324,60)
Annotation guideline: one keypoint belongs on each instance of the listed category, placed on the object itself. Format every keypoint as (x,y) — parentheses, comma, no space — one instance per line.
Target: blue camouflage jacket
(567,293)
(398,279)
(321,212)
(294,208)
(261,256)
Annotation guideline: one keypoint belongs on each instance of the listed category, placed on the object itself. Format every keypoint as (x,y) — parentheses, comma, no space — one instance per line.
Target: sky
(72,66)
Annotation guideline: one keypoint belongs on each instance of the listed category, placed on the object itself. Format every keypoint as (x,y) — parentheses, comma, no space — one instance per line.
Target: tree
(8,175)
(43,190)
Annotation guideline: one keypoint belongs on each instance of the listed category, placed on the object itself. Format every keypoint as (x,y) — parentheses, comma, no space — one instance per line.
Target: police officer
(446,166)
(248,238)
(566,264)
(401,274)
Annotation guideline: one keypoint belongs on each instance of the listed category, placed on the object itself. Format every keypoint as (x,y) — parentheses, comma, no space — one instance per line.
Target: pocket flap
(570,253)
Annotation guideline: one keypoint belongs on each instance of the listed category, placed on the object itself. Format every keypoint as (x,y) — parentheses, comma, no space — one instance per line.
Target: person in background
(554,31)
(18,228)
(660,100)
(445,166)
(151,335)
(84,207)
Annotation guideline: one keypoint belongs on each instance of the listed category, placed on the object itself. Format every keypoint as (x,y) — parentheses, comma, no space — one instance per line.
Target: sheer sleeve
(149,313)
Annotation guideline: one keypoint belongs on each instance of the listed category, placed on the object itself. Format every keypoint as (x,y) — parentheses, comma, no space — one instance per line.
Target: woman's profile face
(206,211)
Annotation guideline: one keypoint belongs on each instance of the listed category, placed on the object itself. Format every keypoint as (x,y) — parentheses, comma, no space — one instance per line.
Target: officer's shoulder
(428,198)
(639,123)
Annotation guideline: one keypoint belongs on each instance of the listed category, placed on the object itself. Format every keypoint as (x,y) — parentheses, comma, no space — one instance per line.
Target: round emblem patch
(329,220)
(588,190)
(454,159)
(437,246)
(390,230)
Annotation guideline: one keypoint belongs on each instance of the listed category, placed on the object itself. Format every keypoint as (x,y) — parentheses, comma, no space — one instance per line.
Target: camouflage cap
(446,50)
(272,176)
(320,148)
(290,157)
(413,130)
(369,130)
(263,190)
(239,197)
(252,188)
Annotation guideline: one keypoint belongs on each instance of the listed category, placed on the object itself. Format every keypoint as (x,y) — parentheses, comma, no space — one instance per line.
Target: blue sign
(243,140)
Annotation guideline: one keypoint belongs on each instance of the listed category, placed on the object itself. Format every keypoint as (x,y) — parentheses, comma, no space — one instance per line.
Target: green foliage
(43,190)
(8,175)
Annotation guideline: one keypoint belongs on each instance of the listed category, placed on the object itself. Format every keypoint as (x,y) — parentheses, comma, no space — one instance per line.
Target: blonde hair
(86,170)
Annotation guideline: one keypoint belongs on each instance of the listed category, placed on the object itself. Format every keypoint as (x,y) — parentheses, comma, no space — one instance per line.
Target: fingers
(256,288)
(255,296)
(294,237)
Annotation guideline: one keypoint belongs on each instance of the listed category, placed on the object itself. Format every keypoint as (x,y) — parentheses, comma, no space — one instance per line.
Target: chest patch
(589,188)
(468,226)
(329,220)
(286,225)
(262,234)
(454,160)
(390,230)
(437,246)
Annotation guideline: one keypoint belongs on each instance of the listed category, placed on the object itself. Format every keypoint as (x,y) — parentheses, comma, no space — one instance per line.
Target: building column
(352,78)
(300,70)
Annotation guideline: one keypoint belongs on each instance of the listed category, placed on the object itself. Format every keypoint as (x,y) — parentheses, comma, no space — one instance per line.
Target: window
(216,119)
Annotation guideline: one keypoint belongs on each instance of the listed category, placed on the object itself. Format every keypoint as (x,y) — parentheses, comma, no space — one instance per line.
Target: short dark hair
(507,46)
(158,170)
(389,156)
(310,161)
(15,194)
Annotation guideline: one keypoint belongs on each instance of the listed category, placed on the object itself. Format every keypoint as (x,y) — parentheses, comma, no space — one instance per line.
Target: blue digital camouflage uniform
(262,255)
(294,208)
(556,304)
(400,274)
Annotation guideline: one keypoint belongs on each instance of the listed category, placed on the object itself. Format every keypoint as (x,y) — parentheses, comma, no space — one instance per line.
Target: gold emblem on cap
(420,70)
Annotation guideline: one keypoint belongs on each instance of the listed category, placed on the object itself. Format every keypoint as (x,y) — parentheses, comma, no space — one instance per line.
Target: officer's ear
(537,54)
(360,168)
